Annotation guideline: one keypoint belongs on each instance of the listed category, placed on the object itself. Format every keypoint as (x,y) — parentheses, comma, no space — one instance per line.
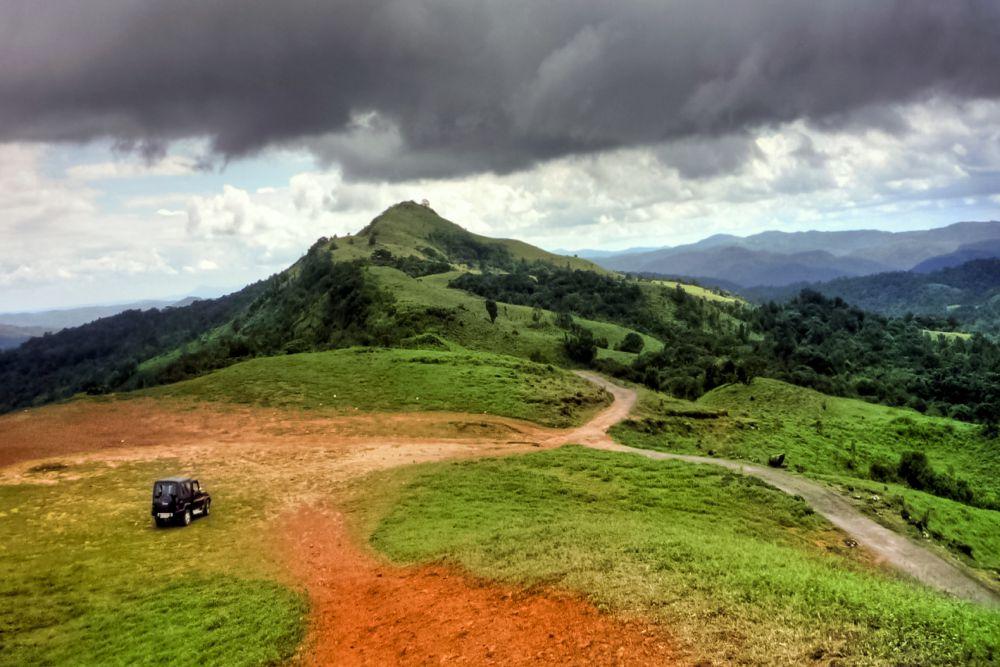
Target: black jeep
(178,500)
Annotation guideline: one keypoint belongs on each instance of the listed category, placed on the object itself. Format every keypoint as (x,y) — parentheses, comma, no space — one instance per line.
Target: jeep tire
(160,523)
(208,508)
(186,518)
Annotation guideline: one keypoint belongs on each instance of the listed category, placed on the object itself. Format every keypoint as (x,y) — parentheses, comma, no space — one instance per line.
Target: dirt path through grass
(366,612)
(363,611)
(888,546)
(301,458)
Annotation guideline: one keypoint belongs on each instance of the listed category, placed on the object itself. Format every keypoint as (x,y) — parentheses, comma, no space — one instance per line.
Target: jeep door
(198,496)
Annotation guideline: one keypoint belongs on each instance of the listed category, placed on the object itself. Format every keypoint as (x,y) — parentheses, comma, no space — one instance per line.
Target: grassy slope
(404,228)
(698,291)
(513,333)
(737,570)
(86,579)
(401,380)
(836,439)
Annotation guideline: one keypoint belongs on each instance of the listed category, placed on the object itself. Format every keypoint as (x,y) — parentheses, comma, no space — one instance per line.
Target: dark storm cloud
(431,88)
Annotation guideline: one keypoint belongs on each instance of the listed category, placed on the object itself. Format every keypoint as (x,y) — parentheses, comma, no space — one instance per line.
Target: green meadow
(400,380)
(86,579)
(838,440)
(735,570)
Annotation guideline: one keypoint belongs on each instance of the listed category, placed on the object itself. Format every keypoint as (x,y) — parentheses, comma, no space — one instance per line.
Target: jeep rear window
(164,488)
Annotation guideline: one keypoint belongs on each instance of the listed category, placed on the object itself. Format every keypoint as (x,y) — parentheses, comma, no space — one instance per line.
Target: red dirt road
(368,613)
(363,611)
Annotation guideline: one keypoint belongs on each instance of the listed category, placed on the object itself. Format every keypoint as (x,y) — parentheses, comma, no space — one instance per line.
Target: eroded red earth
(367,612)
(363,611)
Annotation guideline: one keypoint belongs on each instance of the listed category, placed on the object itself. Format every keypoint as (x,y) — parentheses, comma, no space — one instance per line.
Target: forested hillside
(965,297)
(105,354)
(411,278)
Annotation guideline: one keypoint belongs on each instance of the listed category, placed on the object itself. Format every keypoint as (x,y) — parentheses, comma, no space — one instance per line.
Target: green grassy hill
(389,283)
(402,380)
(847,442)
(412,229)
(737,571)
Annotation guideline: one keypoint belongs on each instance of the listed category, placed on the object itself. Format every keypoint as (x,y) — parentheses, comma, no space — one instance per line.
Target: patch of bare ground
(146,428)
(365,612)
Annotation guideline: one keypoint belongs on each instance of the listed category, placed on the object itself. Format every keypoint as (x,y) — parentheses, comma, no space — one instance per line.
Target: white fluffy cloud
(61,242)
(939,160)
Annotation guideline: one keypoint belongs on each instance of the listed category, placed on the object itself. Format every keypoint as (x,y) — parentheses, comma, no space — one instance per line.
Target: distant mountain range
(593,253)
(968,294)
(12,336)
(15,328)
(784,258)
(965,253)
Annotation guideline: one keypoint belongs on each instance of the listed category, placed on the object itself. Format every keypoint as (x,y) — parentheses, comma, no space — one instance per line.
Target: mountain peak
(407,221)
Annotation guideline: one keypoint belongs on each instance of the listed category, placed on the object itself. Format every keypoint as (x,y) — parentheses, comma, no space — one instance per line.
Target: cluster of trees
(321,305)
(411,265)
(582,293)
(967,295)
(831,346)
(461,247)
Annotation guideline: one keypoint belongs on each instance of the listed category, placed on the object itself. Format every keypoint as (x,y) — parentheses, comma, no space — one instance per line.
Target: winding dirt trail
(363,610)
(888,546)
(369,612)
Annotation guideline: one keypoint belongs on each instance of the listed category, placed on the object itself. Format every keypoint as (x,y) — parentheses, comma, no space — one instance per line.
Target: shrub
(882,472)
(580,345)
(564,320)
(915,469)
(632,342)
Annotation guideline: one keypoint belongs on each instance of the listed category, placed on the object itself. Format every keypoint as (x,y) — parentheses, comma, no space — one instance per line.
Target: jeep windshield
(164,489)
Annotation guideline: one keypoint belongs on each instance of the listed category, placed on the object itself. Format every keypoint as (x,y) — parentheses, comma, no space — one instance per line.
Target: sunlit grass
(837,439)
(86,579)
(367,380)
(735,569)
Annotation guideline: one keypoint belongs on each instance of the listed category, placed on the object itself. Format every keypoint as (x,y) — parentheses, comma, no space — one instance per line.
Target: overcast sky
(154,148)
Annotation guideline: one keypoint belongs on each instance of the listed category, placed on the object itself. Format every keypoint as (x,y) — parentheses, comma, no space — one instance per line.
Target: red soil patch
(121,427)
(369,613)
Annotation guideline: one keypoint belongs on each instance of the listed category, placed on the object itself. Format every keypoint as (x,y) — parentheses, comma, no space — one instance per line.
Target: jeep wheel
(208,508)
(160,523)
(186,518)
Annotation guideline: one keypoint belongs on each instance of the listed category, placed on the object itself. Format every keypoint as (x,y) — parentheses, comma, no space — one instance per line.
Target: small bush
(882,472)
(632,342)
(915,469)
(580,345)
